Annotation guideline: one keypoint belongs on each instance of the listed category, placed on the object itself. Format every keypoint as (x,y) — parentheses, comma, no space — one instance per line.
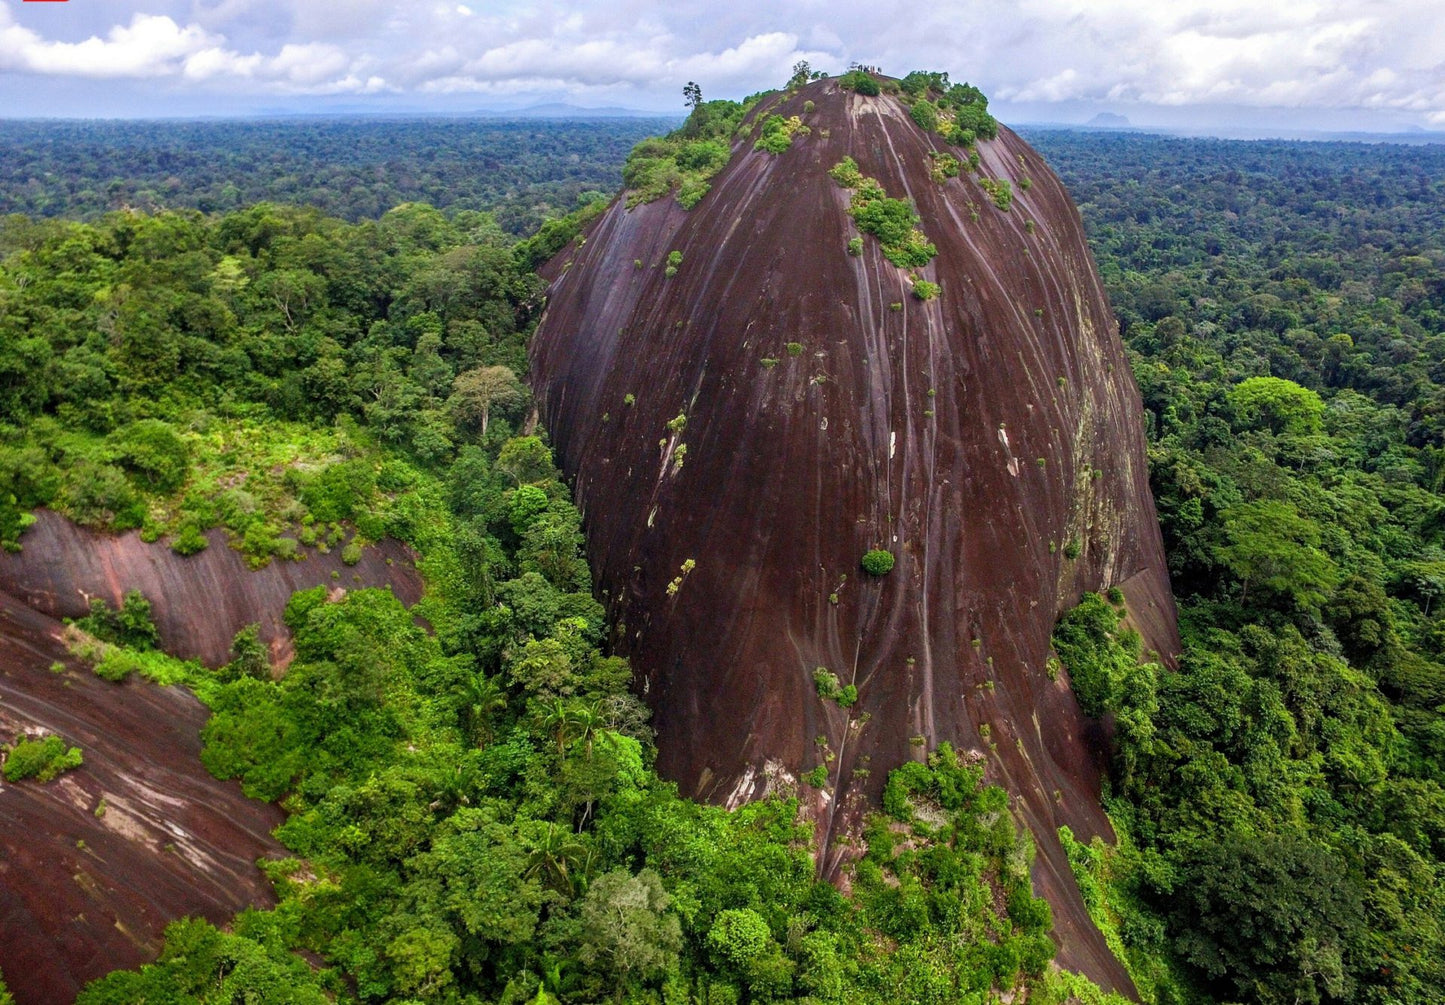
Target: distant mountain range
(560,110)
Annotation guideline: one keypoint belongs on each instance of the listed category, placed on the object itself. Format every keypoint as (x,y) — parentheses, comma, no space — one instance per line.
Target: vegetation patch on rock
(681,162)
(41,759)
(894,222)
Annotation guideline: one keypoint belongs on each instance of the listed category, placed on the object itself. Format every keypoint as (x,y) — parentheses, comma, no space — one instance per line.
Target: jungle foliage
(681,162)
(472,813)
(1281,793)
(523,171)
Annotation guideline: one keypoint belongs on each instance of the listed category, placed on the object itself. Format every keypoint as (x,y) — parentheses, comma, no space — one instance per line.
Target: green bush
(893,222)
(1000,190)
(100,495)
(846,173)
(944,166)
(336,492)
(129,625)
(826,683)
(41,759)
(924,290)
(691,190)
(153,453)
(684,160)
(554,235)
(859,81)
(925,115)
(777,133)
(704,156)
(960,136)
(976,119)
(878,562)
(115,664)
(855,246)
(189,539)
(739,935)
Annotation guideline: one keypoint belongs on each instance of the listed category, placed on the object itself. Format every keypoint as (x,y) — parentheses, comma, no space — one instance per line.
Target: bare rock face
(989,439)
(199,601)
(95,864)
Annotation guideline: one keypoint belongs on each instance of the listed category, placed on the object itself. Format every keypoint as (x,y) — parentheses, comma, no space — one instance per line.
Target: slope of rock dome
(741,432)
(199,601)
(95,863)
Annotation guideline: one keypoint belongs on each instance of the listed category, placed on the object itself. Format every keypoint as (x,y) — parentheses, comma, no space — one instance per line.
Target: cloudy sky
(1343,64)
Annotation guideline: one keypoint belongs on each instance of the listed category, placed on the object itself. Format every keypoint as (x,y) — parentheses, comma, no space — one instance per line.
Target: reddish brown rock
(199,602)
(84,891)
(95,863)
(979,437)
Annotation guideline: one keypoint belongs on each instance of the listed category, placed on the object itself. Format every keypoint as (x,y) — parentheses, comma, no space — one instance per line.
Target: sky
(1205,65)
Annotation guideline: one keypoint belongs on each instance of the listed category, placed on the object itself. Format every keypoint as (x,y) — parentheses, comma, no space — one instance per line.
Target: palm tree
(588,725)
(554,857)
(453,787)
(482,697)
(558,716)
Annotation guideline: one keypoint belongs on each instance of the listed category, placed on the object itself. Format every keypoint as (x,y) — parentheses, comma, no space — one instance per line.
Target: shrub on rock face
(924,290)
(40,759)
(878,562)
(925,114)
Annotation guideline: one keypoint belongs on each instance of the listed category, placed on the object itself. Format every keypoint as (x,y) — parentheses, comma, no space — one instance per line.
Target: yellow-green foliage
(942,166)
(1113,910)
(1000,190)
(957,112)
(846,173)
(924,290)
(777,133)
(947,872)
(117,662)
(892,221)
(682,161)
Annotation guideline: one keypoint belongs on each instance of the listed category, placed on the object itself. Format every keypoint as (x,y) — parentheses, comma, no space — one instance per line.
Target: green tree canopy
(1276,404)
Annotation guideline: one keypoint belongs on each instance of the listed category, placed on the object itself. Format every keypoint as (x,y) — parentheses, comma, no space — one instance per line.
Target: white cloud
(1325,54)
(155,46)
(1384,54)
(148,47)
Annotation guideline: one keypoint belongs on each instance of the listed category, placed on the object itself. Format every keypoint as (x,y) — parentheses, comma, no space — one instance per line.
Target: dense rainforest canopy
(522,171)
(472,812)
(1280,792)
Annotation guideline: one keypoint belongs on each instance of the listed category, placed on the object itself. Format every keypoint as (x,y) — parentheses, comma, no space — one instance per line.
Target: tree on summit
(691,94)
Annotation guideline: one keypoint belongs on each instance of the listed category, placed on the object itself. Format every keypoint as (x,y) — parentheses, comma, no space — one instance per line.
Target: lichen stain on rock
(778,515)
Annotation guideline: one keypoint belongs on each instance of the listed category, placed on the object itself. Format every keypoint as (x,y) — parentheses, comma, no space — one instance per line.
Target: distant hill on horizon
(562,110)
